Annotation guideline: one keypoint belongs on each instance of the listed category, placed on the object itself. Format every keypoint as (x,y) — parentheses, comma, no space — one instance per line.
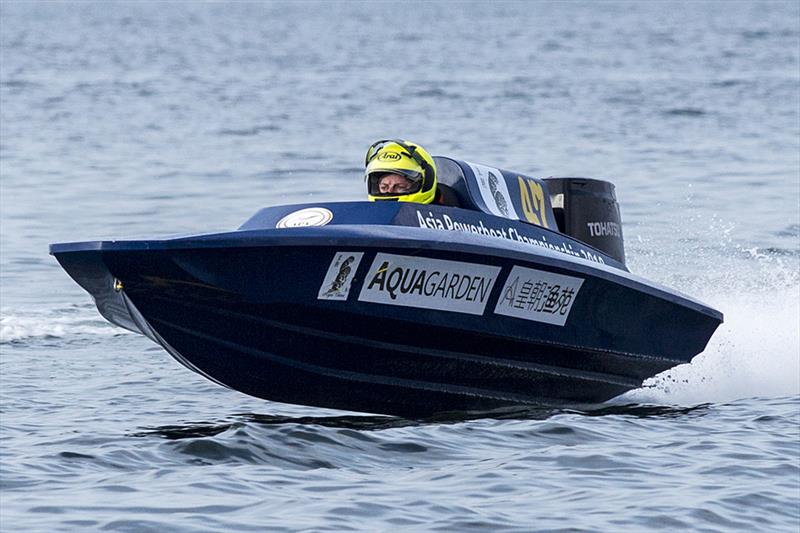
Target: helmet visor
(394,183)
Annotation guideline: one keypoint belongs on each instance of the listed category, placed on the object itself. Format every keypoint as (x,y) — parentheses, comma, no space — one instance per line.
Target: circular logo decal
(310,216)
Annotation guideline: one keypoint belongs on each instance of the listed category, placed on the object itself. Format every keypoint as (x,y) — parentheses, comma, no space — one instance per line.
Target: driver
(401,171)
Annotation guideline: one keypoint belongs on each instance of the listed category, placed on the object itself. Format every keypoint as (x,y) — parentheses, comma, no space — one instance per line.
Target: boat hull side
(251,318)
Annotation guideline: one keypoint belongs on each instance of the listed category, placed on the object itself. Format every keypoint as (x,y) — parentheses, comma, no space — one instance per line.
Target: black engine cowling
(587,210)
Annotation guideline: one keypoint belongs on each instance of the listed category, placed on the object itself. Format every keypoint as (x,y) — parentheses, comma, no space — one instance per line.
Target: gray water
(150,119)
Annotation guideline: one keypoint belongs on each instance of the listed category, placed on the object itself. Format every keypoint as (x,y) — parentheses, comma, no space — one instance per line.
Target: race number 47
(532,197)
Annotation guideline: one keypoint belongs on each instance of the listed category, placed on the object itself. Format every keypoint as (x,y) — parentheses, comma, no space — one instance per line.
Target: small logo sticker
(310,216)
(389,156)
(494,191)
(336,285)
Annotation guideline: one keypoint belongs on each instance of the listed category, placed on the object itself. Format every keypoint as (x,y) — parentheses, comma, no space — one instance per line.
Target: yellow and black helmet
(392,156)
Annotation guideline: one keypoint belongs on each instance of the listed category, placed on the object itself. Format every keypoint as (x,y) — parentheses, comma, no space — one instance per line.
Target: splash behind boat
(517,296)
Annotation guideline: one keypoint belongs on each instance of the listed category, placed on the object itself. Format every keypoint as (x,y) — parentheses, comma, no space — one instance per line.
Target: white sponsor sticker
(310,216)
(429,283)
(336,285)
(494,191)
(538,296)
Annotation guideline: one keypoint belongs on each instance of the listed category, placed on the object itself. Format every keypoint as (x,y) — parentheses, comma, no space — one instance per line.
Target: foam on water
(753,354)
(68,322)
(756,351)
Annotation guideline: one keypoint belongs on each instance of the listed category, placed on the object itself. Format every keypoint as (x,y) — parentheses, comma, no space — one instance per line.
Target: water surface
(149,119)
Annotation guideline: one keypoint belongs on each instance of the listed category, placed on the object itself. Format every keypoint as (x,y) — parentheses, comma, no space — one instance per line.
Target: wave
(69,322)
(686,112)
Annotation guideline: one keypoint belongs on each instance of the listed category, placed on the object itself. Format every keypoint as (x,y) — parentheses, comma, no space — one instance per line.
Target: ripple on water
(685,112)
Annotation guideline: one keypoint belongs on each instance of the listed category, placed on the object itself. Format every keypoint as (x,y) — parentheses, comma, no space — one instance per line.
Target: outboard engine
(587,210)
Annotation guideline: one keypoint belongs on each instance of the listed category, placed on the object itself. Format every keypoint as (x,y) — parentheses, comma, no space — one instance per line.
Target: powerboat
(516,296)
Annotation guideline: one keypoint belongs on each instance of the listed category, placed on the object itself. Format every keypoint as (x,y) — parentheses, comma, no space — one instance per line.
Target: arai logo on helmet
(310,216)
(389,156)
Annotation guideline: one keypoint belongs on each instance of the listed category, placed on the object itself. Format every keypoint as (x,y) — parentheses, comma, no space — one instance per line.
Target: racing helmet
(392,156)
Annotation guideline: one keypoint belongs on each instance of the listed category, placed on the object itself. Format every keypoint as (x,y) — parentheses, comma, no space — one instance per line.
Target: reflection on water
(192,430)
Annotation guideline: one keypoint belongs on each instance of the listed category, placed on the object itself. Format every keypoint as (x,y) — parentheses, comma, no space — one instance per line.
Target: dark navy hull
(253,310)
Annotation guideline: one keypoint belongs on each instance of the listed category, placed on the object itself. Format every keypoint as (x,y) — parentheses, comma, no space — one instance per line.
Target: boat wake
(69,323)
(756,351)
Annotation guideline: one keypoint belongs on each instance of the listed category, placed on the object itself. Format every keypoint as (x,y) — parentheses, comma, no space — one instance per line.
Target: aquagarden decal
(429,283)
